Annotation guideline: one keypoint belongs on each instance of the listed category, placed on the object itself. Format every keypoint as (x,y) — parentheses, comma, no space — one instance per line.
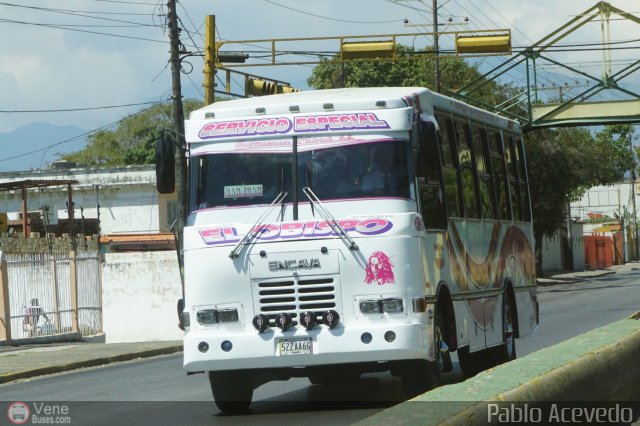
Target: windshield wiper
(331,221)
(257,227)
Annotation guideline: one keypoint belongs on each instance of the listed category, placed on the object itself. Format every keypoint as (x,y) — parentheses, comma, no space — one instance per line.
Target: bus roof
(346,99)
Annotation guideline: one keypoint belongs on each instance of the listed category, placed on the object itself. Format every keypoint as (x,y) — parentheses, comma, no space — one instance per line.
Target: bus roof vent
(209,114)
(261,110)
(381,104)
(294,108)
(328,106)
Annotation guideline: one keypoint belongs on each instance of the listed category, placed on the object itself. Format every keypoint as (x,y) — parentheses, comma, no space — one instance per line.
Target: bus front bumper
(209,350)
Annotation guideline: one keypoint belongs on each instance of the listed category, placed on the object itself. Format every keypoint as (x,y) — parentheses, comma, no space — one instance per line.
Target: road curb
(544,282)
(600,365)
(610,373)
(51,369)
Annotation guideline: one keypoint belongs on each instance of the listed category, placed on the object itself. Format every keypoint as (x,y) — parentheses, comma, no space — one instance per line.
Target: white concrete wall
(127,196)
(577,233)
(139,295)
(551,253)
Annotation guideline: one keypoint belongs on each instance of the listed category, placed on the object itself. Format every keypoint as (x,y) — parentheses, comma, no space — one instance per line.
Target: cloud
(48,68)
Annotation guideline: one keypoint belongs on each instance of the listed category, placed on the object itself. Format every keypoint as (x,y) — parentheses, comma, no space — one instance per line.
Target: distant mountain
(37,137)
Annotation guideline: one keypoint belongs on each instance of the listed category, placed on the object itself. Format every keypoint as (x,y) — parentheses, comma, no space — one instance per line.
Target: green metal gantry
(577,110)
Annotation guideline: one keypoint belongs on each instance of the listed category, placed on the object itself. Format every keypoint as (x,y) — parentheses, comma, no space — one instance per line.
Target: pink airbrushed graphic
(379,269)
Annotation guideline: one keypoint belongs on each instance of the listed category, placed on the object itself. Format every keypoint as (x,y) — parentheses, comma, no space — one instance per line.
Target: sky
(94,56)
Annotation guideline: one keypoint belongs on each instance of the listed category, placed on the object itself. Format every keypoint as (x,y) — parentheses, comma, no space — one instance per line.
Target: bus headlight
(214,316)
(370,306)
(392,306)
(207,316)
(228,315)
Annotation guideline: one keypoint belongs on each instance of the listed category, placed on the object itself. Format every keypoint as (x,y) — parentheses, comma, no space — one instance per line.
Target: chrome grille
(295,296)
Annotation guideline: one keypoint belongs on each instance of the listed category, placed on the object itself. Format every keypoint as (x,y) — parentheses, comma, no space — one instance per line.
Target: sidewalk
(563,277)
(21,362)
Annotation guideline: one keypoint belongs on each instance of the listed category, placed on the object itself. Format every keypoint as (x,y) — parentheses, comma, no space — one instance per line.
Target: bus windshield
(375,169)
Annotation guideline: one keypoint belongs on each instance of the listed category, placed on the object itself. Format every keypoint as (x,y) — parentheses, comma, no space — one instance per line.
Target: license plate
(295,347)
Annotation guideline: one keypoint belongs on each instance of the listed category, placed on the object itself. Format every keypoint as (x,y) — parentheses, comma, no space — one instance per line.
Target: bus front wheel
(232,390)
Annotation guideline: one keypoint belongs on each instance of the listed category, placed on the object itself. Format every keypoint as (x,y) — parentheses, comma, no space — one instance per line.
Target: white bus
(337,232)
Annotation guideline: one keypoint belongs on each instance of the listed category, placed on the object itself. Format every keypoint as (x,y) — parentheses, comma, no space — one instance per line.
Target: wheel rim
(439,342)
(508,328)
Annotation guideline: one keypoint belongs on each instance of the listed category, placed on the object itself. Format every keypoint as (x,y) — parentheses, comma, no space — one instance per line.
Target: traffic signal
(287,89)
(497,43)
(261,87)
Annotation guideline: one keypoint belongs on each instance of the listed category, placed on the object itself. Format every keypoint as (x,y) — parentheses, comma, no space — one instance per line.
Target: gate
(50,294)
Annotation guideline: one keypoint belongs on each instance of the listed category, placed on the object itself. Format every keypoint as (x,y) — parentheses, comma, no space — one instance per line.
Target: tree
(455,73)
(564,163)
(133,141)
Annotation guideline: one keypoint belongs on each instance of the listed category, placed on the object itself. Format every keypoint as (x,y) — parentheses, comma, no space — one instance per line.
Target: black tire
(471,363)
(420,376)
(444,356)
(232,390)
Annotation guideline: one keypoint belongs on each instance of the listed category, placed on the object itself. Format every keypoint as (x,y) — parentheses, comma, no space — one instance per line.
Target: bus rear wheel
(232,390)
(471,363)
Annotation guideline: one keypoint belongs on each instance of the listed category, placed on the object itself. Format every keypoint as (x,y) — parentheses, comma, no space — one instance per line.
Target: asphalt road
(156,391)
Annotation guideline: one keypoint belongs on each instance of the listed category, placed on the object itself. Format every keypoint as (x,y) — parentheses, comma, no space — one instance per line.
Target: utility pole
(210,59)
(635,213)
(435,44)
(178,121)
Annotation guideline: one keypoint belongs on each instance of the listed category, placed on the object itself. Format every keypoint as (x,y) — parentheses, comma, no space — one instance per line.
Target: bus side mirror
(165,164)
(426,151)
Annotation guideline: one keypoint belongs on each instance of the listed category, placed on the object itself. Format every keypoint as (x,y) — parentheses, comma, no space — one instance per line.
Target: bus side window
(449,172)
(466,170)
(524,184)
(431,199)
(485,187)
(499,175)
(512,164)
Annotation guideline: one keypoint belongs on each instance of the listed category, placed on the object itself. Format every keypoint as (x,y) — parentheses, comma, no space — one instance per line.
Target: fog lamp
(284,321)
(203,347)
(261,322)
(389,336)
(226,346)
(331,318)
(308,320)
(366,338)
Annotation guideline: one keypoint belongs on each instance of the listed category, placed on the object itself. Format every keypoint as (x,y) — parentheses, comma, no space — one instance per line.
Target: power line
(332,19)
(74,109)
(127,2)
(85,134)
(61,27)
(73,13)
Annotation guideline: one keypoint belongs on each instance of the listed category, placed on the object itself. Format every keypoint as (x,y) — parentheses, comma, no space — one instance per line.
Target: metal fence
(51,294)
